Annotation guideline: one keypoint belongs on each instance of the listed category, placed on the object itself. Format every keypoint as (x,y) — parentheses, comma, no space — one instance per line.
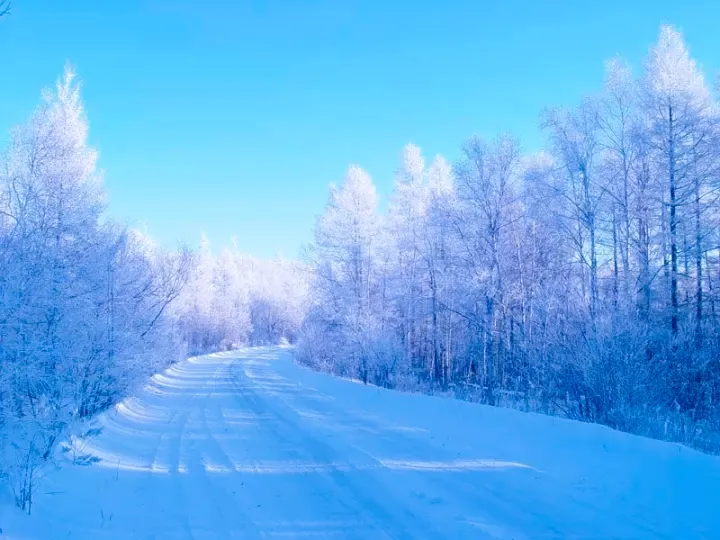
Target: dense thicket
(582,280)
(88,307)
(83,300)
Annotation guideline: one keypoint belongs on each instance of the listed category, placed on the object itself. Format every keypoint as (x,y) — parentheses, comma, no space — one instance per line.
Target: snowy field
(248,445)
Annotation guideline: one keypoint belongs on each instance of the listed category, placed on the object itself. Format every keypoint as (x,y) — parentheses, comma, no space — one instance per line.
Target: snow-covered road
(249,445)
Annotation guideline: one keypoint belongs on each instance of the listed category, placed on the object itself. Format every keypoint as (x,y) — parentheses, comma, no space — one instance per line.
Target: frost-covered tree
(485,177)
(438,251)
(346,326)
(678,106)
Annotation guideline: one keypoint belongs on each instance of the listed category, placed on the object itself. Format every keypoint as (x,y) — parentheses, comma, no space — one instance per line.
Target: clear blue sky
(233,117)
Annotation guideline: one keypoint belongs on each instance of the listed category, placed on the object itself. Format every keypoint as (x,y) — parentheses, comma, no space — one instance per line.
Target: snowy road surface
(249,445)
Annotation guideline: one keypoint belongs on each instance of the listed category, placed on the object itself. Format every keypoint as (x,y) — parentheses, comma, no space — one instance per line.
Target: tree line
(580,280)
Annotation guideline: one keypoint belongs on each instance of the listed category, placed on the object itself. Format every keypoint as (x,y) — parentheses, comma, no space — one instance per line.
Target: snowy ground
(249,445)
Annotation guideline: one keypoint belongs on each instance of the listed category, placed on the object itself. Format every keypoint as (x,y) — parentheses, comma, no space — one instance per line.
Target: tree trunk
(615,261)
(698,268)
(673,226)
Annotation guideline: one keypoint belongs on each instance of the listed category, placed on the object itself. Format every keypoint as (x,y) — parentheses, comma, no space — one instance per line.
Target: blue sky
(232,117)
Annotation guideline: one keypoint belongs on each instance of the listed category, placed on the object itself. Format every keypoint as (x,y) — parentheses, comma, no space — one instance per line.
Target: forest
(579,281)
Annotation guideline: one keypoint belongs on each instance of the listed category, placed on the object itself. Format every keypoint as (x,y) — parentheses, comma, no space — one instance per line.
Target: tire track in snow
(436,487)
(363,486)
(303,483)
(190,497)
(179,500)
(242,526)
